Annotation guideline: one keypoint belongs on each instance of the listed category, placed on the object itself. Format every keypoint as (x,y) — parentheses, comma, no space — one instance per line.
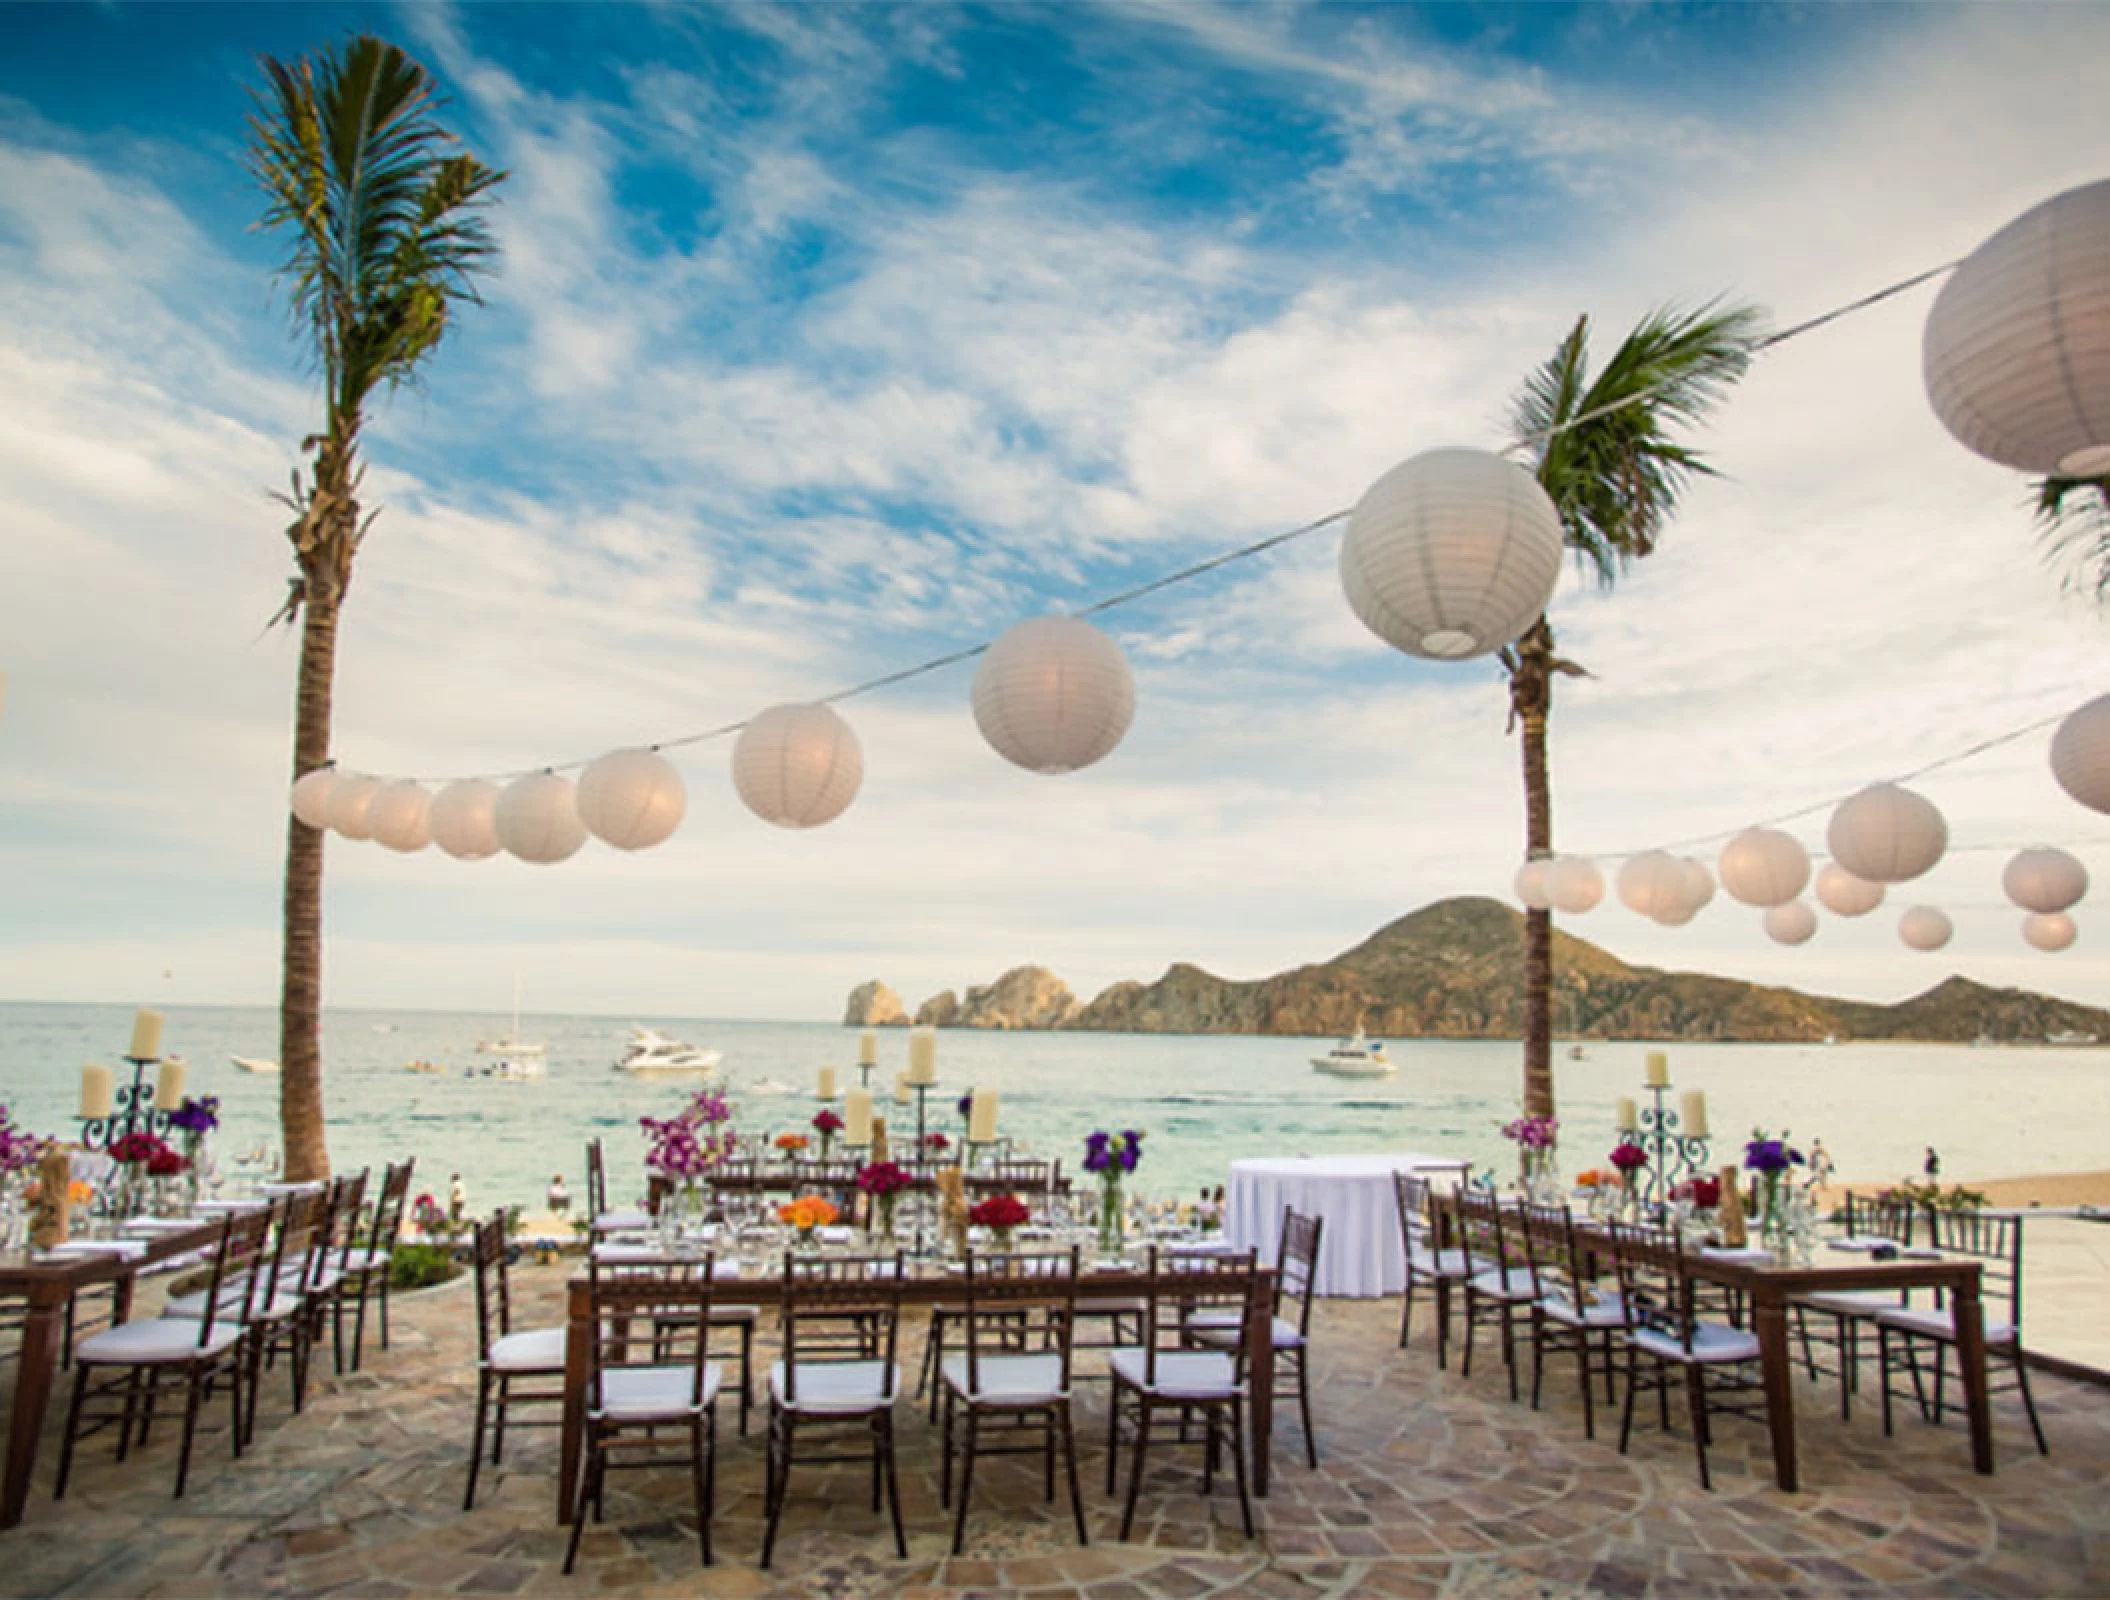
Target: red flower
(1629,1156)
(827,1122)
(165,1163)
(999,1211)
(1707,1193)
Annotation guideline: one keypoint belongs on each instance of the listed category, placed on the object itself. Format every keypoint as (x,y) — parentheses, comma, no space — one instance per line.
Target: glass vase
(1113,1226)
(1775,1228)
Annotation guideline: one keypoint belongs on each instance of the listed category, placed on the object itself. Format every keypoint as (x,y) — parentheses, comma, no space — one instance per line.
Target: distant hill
(1455,970)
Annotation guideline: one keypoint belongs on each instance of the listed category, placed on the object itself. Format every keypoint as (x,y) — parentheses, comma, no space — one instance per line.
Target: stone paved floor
(1429,1485)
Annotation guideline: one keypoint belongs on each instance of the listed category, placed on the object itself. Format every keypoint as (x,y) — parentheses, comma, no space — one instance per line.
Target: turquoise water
(1202,1100)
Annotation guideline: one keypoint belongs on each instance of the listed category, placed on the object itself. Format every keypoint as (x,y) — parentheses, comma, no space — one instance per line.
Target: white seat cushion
(1222,1326)
(1182,1374)
(622,1222)
(655,1394)
(529,1350)
(1012,1380)
(838,1388)
(1711,1342)
(1606,1311)
(281,1306)
(357,1261)
(1443,1263)
(1503,1283)
(1851,1302)
(153,1342)
(1936,1322)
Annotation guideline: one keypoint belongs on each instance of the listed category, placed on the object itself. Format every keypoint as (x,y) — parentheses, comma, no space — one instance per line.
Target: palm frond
(2073,517)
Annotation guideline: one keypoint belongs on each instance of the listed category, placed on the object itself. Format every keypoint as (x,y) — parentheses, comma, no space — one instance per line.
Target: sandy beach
(2043,1189)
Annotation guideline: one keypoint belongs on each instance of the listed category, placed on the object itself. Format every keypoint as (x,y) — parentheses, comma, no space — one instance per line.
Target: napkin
(160,1224)
(128,1249)
(237,1207)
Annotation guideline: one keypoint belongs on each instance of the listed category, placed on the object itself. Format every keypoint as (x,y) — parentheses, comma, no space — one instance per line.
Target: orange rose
(808,1211)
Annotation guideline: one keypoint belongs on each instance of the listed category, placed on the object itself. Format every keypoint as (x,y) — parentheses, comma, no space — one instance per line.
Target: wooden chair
(367,1266)
(1500,1286)
(1718,1362)
(603,1220)
(504,1355)
(639,1390)
(1850,1313)
(1571,1312)
(202,1350)
(1165,1375)
(841,1322)
(324,1284)
(1296,1280)
(1910,1331)
(1430,1260)
(1012,1373)
(267,1288)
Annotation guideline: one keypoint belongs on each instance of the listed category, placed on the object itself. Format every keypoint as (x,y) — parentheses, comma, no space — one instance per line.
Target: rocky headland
(1455,970)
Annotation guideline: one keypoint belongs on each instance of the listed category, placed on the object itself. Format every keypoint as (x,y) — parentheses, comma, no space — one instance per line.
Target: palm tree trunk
(1531,701)
(300,1111)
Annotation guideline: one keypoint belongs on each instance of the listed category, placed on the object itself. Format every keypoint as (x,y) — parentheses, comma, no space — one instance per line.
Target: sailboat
(510,1043)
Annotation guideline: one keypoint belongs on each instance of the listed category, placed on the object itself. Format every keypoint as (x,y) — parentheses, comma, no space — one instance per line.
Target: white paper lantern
(401,816)
(2050,930)
(1764,867)
(2044,879)
(1653,883)
(2016,351)
(2080,754)
(1053,695)
(537,818)
(1531,883)
(1845,895)
(350,799)
(1887,834)
(1451,554)
(311,796)
(1574,884)
(1925,928)
(465,819)
(1791,922)
(1699,887)
(798,766)
(632,799)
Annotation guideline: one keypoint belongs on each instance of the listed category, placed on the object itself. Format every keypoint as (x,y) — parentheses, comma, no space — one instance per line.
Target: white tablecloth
(1360,1252)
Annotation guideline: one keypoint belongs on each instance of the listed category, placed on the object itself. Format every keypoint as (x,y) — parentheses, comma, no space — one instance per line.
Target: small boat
(1577,1053)
(254,1064)
(423,1066)
(654,1054)
(2069,1037)
(1355,1058)
(507,1071)
(769,1086)
(510,1043)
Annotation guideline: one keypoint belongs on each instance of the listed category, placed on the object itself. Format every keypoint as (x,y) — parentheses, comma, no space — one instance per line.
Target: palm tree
(385,236)
(1603,450)
(2074,514)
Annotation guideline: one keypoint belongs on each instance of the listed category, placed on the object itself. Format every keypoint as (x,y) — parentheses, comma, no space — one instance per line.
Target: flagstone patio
(1429,1485)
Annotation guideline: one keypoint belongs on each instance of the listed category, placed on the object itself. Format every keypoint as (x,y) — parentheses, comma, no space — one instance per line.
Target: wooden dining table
(917,1291)
(48,1284)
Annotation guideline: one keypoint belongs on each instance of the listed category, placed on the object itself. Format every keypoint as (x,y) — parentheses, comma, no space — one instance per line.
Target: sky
(829,339)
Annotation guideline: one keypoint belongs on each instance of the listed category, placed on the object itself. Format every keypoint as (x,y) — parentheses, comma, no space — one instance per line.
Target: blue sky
(829,338)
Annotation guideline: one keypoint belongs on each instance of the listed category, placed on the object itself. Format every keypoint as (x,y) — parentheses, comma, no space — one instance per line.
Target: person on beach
(559,1196)
(1932,1165)
(457,1199)
(1820,1165)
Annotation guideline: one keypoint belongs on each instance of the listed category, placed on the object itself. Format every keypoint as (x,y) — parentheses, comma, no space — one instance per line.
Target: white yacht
(508,1070)
(1355,1058)
(510,1043)
(653,1053)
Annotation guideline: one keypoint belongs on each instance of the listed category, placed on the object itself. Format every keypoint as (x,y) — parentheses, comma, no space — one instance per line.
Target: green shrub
(419,1266)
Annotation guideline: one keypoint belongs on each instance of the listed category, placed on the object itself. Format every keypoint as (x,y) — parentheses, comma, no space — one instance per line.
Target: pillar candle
(96,1098)
(1623,1117)
(867,1048)
(146,1036)
(826,1088)
(857,1116)
(981,1116)
(168,1088)
(1658,1070)
(901,1096)
(1692,1115)
(922,1055)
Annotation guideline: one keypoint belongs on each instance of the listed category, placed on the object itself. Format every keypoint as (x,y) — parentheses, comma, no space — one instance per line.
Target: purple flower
(1112,1153)
(1768,1155)
(967,1104)
(196,1116)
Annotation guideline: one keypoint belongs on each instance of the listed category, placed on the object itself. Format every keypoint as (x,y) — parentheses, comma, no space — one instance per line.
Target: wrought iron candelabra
(926,1198)
(1673,1155)
(132,1110)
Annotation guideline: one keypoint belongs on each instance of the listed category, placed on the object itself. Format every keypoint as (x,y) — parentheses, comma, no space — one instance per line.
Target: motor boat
(509,1071)
(2069,1036)
(254,1064)
(654,1054)
(1355,1058)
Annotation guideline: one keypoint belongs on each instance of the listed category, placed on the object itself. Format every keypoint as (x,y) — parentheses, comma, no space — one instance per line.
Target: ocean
(1201,1100)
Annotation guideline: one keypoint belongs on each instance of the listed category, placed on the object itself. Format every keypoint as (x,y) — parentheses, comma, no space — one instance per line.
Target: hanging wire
(1243,552)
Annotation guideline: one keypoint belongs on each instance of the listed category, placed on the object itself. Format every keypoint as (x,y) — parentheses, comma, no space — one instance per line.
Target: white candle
(981,1116)
(96,1097)
(922,1055)
(901,1095)
(1658,1070)
(857,1116)
(1693,1114)
(867,1048)
(1623,1117)
(168,1089)
(826,1088)
(146,1036)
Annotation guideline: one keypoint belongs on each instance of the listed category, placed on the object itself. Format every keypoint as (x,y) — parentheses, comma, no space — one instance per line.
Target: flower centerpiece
(790,1144)
(827,1124)
(685,1149)
(1534,1138)
(194,1119)
(806,1214)
(1627,1158)
(1000,1213)
(1770,1159)
(1696,1200)
(1112,1156)
(883,1181)
(20,1151)
(142,1157)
